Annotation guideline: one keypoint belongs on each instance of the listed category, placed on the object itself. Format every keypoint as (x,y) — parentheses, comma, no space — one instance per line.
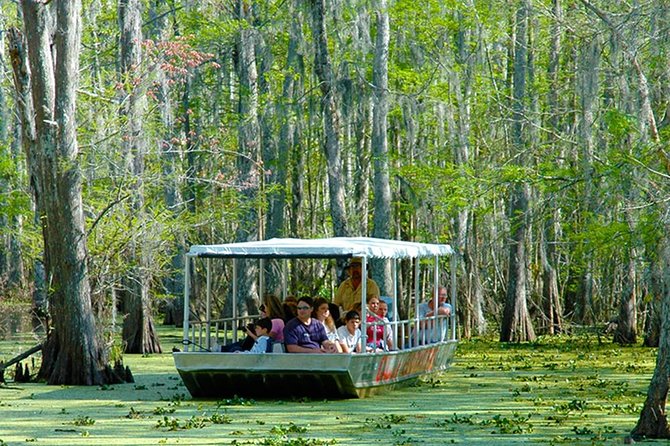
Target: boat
(420,349)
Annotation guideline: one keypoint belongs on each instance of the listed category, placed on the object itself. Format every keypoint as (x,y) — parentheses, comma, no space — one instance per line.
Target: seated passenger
(383,310)
(388,332)
(433,332)
(270,308)
(263,342)
(350,333)
(273,309)
(289,308)
(322,314)
(303,334)
(376,341)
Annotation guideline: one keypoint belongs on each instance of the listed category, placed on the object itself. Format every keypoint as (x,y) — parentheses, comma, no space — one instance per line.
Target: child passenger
(350,334)
(262,327)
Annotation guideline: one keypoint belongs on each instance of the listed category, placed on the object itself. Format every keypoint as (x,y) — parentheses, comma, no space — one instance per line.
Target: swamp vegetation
(578,390)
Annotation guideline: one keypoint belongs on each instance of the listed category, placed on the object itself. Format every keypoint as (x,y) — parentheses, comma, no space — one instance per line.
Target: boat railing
(408,333)
(405,333)
(221,331)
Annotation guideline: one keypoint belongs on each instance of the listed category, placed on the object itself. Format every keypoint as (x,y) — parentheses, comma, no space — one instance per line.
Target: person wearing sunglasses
(304,334)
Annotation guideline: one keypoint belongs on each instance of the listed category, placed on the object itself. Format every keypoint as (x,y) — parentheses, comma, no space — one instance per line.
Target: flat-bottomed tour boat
(423,346)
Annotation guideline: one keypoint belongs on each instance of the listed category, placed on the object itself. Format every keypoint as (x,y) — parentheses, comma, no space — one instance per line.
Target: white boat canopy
(319,248)
(344,247)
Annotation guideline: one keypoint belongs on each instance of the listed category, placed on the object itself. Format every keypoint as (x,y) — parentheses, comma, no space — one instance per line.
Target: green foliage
(83,420)
(291,428)
(619,125)
(194,422)
(134,414)
(517,424)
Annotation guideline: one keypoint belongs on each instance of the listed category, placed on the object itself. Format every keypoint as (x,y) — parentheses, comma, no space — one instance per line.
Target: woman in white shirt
(322,313)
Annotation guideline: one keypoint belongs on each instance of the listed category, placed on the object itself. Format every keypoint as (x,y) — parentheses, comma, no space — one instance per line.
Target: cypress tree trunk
(382,189)
(248,158)
(173,280)
(324,72)
(552,300)
(139,334)
(516,325)
(653,421)
(73,353)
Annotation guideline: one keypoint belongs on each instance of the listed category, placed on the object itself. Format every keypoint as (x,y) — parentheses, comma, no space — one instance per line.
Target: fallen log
(16,359)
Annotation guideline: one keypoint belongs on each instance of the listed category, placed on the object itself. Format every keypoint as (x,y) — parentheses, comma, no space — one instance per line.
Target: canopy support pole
(394,303)
(187,292)
(364,303)
(454,264)
(234,298)
(209,303)
(417,328)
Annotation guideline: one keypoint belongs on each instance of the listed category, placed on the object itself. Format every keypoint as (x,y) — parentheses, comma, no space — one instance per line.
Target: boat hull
(282,375)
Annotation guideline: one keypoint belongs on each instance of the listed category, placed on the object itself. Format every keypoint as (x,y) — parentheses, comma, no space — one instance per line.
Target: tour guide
(349,292)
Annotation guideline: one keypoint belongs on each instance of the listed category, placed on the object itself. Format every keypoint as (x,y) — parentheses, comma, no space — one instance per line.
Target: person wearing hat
(349,291)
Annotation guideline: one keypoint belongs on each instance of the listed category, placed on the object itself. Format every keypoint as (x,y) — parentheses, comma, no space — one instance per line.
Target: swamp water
(573,391)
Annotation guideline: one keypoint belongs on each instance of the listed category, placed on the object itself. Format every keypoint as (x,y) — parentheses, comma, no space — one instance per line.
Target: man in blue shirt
(303,334)
(427,309)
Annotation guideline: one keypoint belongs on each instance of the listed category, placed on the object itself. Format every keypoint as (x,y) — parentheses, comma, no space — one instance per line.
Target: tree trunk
(5,184)
(11,262)
(462,79)
(139,334)
(588,75)
(248,160)
(382,189)
(293,133)
(653,422)
(324,73)
(173,282)
(516,325)
(626,331)
(552,300)
(72,354)
(652,328)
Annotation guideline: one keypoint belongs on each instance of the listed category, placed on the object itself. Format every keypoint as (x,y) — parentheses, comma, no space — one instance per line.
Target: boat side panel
(389,368)
(216,375)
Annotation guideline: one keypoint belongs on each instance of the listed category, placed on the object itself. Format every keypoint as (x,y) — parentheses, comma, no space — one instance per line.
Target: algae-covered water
(573,391)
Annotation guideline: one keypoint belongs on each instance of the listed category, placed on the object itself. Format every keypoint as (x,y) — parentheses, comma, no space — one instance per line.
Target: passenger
(388,332)
(350,333)
(375,327)
(263,342)
(349,291)
(335,314)
(358,308)
(272,308)
(303,334)
(322,313)
(289,308)
(383,310)
(427,309)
